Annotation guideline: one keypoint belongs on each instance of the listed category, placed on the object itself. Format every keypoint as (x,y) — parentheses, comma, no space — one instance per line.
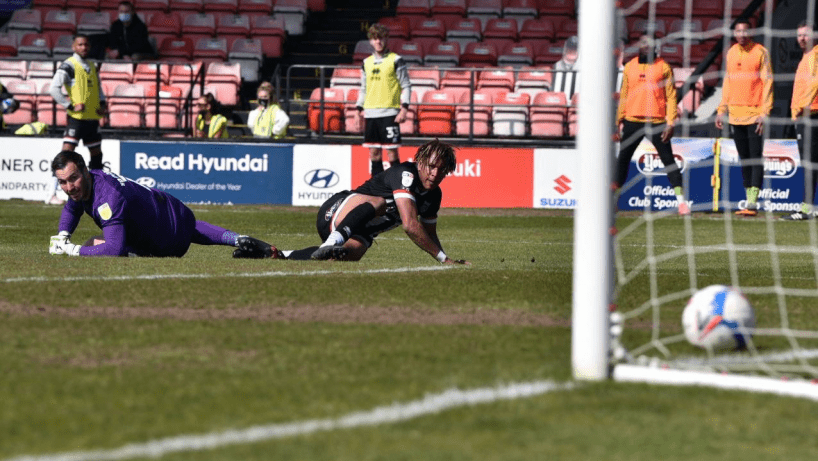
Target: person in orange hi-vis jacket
(647,108)
(804,109)
(747,98)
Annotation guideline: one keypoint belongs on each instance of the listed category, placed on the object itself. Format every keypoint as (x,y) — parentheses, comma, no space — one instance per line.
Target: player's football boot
(746,212)
(329,252)
(254,248)
(798,216)
(684,210)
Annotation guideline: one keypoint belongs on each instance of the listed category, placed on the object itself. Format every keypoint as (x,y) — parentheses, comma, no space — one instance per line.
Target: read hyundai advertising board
(212,172)
(647,186)
(25,165)
(483,177)
(783,186)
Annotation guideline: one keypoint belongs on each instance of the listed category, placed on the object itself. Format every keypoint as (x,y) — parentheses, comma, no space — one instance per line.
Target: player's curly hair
(377,30)
(437,150)
(68,156)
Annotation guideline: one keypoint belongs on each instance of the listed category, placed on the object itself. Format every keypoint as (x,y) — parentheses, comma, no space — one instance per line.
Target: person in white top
(267,120)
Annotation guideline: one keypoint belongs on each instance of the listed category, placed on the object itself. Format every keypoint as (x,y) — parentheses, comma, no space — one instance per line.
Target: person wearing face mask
(128,38)
(209,123)
(267,120)
(647,108)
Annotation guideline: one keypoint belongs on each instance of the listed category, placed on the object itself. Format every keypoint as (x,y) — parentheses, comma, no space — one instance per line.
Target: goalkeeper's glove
(61,245)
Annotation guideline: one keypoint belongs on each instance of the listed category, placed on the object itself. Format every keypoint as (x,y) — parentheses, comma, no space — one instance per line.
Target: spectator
(565,77)
(267,120)
(747,99)
(9,104)
(384,99)
(209,123)
(128,38)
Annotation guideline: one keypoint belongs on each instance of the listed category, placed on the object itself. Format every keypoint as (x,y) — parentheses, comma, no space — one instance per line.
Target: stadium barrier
(485,177)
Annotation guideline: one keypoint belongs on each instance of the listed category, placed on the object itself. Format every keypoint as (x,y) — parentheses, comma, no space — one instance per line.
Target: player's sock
(95,163)
(352,222)
(304,254)
(752,195)
(679,194)
(209,234)
(377,167)
(806,208)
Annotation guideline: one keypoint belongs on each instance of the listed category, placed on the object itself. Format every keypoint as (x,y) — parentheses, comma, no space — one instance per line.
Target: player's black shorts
(325,221)
(382,132)
(85,130)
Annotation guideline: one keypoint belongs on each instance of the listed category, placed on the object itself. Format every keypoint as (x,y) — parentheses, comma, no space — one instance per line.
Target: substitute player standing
(408,194)
(134,219)
(647,108)
(383,99)
(747,98)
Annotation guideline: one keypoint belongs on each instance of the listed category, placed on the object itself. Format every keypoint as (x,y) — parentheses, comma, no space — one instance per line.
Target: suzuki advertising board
(25,165)
(783,186)
(217,173)
(555,181)
(647,186)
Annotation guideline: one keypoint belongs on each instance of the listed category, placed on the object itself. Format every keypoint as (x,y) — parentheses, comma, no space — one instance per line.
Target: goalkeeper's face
(75,183)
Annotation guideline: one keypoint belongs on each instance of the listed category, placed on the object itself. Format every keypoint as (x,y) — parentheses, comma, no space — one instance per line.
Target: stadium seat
(47,110)
(362,51)
(165,24)
(122,72)
(317,5)
(573,117)
(60,20)
(186,5)
(635,8)
(25,93)
(444,54)
(520,10)
(476,121)
(411,52)
(537,29)
(549,115)
(34,45)
(347,78)
(108,87)
(671,8)
(226,77)
(479,54)
(673,53)
(184,73)
(153,5)
(496,78)
(96,22)
(510,114)
(8,45)
(16,70)
(256,6)
(557,8)
(436,113)
(63,47)
(352,123)
(147,72)
(566,29)
(125,106)
(642,27)
(458,78)
(691,100)
(708,8)
(517,55)
(25,20)
(424,79)
(681,29)
(167,109)
(220,6)
(414,7)
(176,48)
(41,69)
(409,126)
(210,50)
(431,27)
(547,54)
(333,107)
(247,52)
(455,8)
(501,28)
(233,27)
(398,27)
(272,33)
(465,31)
(484,10)
(198,25)
(294,13)
(49,3)
(533,80)
(715,29)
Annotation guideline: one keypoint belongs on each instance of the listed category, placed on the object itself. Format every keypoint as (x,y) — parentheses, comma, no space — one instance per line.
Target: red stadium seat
(8,45)
(479,55)
(271,31)
(398,27)
(362,51)
(25,20)
(34,46)
(60,20)
(671,8)
(41,69)
(153,5)
(256,6)
(125,106)
(496,78)
(95,22)
(210,50)
(520,10)
(122,72)
(476,121)
(444,54)
(501,28)
(333,109)
(220,6)
(548,114)
(409,126)
(517,55)
(198,25)
(449,7)
(294,13)
(346,77)
(566,29)
(573,117)
(167,109)
(186,5)
(49,3)
(458,78)
(352,122)
(13,70)
(691,100)
(533,80)
(232,27)
(176,48)
(431,27)
(226,78)
(673,53)
(184,73)
(709,8)
(556,8)
(484,9)
(414,7)
(165,23)
(680,29)
(465,31)
(436,113)
(424,79)
(510,114)
(25,92)
(411,52)
(248,53)
(146,72)
(538,29)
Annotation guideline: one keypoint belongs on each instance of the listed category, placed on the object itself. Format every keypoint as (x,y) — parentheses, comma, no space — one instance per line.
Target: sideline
(397,412)
(219,276)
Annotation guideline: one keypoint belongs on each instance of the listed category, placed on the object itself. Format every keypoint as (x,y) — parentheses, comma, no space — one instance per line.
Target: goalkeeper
(135,219)
(407,194)
(647,108)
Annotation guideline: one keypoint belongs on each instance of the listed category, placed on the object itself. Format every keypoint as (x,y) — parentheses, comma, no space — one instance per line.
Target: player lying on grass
(135,220)
(407,194)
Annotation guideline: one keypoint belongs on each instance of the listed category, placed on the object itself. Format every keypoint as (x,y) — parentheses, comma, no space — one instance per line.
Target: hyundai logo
(146,181)
(321,178)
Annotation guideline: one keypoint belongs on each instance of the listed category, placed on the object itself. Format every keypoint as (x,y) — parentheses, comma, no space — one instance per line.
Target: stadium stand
(476,121)
(436,113)
(333,110)
(549,114)
(34,45)
(510,114)
(8,45)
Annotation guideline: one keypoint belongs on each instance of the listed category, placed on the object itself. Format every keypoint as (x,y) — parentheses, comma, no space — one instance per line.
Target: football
(718,318)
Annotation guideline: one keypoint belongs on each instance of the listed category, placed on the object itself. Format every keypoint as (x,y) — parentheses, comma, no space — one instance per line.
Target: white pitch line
(226,275)
(397,412)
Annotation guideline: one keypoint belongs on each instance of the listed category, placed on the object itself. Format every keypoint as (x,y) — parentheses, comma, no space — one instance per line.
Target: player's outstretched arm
(417,232)
(431,229)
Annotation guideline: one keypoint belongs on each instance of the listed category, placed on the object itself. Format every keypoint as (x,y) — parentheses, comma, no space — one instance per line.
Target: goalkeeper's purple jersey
(403,181)
(134,218)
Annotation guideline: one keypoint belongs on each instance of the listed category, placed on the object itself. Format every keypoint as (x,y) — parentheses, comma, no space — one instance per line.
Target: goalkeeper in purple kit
(135,220)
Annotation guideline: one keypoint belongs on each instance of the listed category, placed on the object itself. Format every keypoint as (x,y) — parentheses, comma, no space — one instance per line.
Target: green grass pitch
(97,354)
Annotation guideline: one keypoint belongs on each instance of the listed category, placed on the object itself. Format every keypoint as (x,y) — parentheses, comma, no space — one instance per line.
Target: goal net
(661,259)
